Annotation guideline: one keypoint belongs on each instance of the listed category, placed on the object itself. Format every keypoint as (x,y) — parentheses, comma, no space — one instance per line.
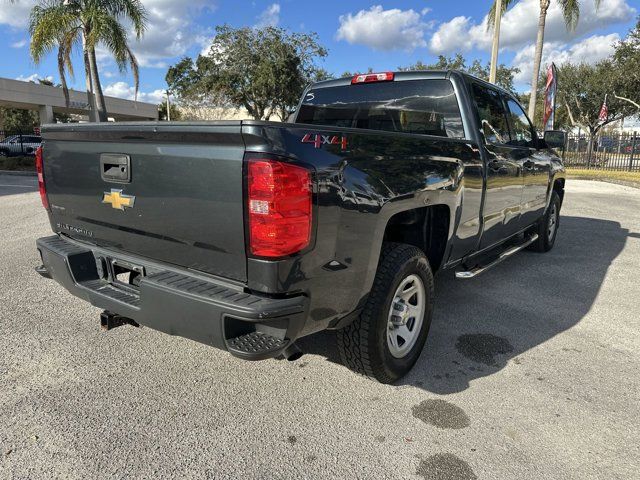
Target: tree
(626,61)
(14,120)
(66,24)
(582,91)
(504,74)
(264,71)
(571,14)
(175,112)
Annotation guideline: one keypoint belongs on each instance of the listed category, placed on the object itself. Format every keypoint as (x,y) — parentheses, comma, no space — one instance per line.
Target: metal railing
(19,143)
(607,151)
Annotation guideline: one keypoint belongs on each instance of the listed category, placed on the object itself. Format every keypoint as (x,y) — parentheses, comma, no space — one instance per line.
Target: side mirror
(555,138)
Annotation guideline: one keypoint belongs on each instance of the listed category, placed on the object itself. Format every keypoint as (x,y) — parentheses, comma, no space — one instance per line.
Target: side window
(521,130)
(491,115)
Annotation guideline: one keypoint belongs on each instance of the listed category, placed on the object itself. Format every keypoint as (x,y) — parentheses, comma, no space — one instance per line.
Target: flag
(604,111)
(550,97)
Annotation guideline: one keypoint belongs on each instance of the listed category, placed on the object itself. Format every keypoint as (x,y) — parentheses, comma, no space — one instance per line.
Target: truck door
(536,164)
(501,211)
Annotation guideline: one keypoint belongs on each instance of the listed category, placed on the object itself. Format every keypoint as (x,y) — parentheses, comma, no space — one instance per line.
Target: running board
(474,272)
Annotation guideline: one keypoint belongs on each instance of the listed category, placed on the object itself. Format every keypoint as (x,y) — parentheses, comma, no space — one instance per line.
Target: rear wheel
(385,341)
(547,226)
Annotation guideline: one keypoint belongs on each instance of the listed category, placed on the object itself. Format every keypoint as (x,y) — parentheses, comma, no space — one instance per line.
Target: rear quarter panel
(358,189)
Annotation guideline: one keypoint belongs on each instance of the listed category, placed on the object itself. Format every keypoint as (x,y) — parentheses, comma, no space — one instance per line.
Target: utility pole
(496,42)
(168,108)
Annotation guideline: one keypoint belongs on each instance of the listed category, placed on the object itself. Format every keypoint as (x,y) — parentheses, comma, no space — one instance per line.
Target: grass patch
(24,164)
(625,178)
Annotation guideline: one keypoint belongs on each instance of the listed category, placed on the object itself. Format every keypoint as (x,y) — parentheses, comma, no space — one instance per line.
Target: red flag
(604,111)
(550,97)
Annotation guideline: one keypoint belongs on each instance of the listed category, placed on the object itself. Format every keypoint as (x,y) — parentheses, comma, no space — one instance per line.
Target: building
(47,100)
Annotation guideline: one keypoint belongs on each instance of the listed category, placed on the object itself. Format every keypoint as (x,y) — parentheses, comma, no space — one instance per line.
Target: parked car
(248,235)
(19,145)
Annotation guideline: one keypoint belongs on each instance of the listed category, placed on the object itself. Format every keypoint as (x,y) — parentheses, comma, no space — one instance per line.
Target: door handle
(115,167)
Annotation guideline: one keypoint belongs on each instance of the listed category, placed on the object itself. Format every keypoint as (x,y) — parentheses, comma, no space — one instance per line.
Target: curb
(615,181)
(18,173)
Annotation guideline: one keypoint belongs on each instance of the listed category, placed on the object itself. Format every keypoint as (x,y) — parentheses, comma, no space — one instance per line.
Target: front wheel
(547,226)
(385,341)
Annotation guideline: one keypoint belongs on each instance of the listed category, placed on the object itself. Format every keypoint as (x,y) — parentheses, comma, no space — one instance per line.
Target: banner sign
(550,97)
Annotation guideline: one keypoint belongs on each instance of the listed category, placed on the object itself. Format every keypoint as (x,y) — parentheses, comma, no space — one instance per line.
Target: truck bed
(182,202)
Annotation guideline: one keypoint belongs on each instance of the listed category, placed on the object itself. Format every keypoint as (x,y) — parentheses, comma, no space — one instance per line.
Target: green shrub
(17,163)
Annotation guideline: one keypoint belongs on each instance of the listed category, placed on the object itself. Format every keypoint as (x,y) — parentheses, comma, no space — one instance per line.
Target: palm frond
(112,35)
(132,10)
(492,12)
(571,12)
(49,21)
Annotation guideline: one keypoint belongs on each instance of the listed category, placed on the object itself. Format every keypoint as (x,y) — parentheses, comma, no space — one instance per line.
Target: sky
(358,34)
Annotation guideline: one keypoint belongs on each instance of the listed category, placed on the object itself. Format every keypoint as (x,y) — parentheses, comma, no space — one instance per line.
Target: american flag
(604,111)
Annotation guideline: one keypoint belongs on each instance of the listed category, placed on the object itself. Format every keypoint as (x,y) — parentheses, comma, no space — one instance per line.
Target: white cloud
(34,78)
(270,17)
(520,23)
(19,44)
(452,36)
(590,50)
(381,29)
(16,14)
(170,30)
(124,90)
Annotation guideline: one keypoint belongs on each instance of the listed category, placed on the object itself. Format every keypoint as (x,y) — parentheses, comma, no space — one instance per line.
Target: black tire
(547,239)
(4,153)
(363,344)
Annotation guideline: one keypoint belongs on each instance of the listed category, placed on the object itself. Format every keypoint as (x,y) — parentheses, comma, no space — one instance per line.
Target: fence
(19,144)
(610,151)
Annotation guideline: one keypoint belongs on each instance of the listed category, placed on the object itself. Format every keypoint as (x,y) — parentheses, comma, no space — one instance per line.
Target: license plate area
(125,275)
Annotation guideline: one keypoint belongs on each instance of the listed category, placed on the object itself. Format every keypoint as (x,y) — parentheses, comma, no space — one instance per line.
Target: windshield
(426,107)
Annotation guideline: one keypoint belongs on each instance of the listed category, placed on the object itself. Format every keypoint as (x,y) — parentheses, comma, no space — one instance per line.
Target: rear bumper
(176,301)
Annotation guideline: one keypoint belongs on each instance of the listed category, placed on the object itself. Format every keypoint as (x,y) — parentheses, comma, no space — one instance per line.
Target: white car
(16,145)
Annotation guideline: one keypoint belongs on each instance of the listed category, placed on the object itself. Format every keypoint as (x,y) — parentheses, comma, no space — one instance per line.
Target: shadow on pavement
(480,325)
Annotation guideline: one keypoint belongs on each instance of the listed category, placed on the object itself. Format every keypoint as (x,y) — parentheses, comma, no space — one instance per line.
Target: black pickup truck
(248,235)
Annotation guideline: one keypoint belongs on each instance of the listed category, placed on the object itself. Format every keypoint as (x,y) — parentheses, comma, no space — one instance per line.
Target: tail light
(279,207)
(40,171)
(372,77)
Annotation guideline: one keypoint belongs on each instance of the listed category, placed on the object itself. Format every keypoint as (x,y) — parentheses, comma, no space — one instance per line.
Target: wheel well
(426,228)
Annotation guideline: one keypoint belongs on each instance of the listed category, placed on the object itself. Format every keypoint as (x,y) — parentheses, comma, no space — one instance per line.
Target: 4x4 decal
(319,140)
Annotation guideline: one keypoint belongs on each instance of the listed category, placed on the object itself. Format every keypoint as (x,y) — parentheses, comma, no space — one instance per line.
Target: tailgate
(181,200)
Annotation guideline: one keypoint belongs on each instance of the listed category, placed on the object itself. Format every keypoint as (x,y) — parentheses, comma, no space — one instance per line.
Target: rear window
(427,107)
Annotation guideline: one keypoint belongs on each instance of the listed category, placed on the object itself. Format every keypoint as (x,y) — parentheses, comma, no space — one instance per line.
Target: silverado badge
(118,200)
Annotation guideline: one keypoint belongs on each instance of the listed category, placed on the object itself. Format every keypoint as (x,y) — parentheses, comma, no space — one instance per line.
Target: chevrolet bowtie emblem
(118,200)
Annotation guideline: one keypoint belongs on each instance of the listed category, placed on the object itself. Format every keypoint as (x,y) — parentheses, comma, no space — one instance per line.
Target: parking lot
(531,371)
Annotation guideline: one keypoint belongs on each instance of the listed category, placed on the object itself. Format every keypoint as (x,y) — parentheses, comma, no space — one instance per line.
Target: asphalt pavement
(531,371)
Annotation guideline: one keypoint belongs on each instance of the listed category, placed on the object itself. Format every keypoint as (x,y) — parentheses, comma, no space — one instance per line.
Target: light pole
(168,108)
(496,42)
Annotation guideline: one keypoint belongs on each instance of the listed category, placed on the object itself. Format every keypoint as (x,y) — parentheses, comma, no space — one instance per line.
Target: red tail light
(41,187)
(372,77)
(279,206)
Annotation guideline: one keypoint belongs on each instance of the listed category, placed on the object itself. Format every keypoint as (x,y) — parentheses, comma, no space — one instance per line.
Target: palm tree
(65,24)
(571,14)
